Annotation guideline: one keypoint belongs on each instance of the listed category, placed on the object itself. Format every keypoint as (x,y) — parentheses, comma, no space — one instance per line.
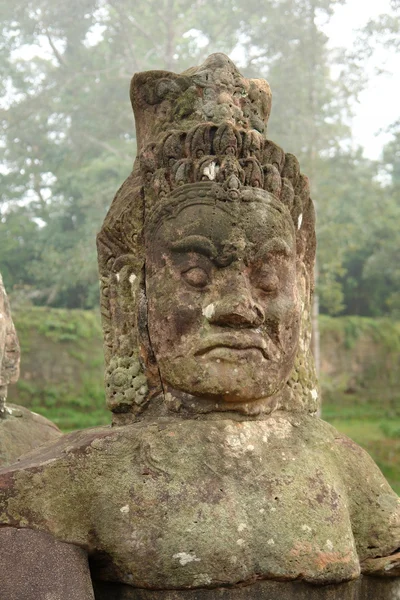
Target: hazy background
(68,138)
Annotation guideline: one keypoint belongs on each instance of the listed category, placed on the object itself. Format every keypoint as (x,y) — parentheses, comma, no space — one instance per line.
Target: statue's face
(223,305)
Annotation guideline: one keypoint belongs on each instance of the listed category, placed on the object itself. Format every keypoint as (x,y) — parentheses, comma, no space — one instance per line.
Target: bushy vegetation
(62,366)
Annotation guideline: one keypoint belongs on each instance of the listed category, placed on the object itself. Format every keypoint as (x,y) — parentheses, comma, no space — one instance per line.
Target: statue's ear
(126,282)
(132,377)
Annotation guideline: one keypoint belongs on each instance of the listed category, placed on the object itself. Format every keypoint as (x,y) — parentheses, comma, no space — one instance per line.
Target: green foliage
(379,438)
(68,134)
(59,325)
(62,366)
(361,393)
(391,429)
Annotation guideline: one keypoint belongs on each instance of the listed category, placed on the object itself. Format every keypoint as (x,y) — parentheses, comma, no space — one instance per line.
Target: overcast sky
(379,104)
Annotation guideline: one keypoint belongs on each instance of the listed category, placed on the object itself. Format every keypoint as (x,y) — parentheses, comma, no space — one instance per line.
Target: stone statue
(9,350)
(20,429)
(217,478)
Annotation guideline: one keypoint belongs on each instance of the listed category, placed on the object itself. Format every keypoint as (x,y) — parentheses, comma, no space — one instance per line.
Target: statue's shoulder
(22,431)
(374,507)
(51,487)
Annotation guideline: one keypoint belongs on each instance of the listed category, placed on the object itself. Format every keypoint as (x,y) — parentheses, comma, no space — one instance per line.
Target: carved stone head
(9,349)
(206,256)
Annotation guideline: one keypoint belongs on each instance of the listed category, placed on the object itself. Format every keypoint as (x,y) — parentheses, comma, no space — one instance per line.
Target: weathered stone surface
(22,431)
(206,255)
(217,474)
(42,568)
(183,504)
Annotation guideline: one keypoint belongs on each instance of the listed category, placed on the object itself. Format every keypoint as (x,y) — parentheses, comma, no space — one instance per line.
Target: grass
(374,425)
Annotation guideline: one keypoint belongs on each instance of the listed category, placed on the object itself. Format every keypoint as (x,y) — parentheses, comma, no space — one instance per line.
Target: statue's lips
(247,341)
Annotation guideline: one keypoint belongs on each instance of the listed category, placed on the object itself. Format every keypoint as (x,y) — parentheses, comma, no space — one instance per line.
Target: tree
(68,132)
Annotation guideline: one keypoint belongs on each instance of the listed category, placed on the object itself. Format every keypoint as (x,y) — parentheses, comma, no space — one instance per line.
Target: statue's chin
(224,397)
(225,377)
(182,402)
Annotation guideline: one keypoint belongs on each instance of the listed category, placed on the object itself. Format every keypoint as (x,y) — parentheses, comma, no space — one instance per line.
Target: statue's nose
(237,311)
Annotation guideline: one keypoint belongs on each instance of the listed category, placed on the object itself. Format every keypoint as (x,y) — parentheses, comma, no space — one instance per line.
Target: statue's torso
(198,503)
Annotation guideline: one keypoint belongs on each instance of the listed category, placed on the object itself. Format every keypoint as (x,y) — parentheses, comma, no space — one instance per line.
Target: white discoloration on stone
(202,579)
(209,311)
(314,394)
(271,542)
(299,221)
(117,276)
(241,527)
(250,448)
(124,509)
(137,540)
(238,439)
(240,542)
(278,427)
(211,171)
(262,510)
(132,278)
(306,528)
(329,545)
(186,557)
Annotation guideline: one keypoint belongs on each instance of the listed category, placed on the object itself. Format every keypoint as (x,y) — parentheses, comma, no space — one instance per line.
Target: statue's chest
(235,504)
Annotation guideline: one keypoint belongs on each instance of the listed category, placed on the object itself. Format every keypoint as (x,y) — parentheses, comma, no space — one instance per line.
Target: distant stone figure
(9,349)
(217,480)
(20,429)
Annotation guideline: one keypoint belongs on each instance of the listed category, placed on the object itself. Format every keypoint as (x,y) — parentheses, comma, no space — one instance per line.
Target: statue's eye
(268,282)
(196,276)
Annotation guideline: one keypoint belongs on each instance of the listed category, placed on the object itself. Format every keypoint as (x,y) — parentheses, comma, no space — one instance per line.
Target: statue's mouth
(248,341)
